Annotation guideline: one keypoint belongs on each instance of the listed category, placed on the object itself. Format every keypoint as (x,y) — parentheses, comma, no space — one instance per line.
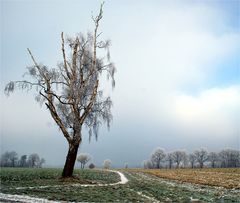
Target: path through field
(25,198)
(133,186)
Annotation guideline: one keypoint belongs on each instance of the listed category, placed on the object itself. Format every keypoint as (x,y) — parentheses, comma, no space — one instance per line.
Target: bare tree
(83,158)
(23,161)
(126,165)
(213,158)
(5,159)
(33,160)
(71,92)
(179,156)
(107,163)
(192,159)
(229,158)
(157,156)
(13,157)
(169,159)
(41,162)
(201,156)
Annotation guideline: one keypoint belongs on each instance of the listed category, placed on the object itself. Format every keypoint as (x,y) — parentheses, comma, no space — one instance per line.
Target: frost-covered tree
(213,158)
(192,159)
(229,158)
(201,156)
(9,159)
(33,160)
(107,163)
(23,161)
(13,156)
(169,159)
(83,158)
(41,162)
(157,156)
(5,159)
(179,156)
(71,91)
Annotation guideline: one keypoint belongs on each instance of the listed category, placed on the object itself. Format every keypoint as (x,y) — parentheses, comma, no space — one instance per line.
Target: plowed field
(227,178)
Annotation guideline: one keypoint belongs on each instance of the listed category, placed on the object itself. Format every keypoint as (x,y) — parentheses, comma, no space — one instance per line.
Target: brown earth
(221,177)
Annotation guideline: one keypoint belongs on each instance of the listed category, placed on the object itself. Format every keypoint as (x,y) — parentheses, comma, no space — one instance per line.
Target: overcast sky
(177,81)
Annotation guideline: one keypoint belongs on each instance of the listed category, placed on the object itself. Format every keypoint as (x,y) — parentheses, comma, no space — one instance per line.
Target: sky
(177,80)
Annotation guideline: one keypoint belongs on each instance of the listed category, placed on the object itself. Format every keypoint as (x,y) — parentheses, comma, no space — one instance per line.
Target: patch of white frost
(24,198)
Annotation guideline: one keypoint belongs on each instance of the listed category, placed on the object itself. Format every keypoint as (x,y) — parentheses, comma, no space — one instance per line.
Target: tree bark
(70,160)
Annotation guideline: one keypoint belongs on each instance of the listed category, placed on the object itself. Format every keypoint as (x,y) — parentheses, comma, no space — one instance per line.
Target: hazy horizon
(177,80)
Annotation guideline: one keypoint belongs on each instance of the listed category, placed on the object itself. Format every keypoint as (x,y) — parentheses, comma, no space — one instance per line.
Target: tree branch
(64,57)
(59,98)
(38,67)
(89,106)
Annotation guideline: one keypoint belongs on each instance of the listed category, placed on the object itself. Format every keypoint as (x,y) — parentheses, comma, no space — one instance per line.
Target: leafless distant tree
(71,92)
(83,158)
(126,165)
(192,159)
(157,156)
(229,158)
(179,156)
(5,159)
(107,163)
(201,156)
(23,161)
(13,156)
(33,160)
(213,158)
(41,162)
(169,159)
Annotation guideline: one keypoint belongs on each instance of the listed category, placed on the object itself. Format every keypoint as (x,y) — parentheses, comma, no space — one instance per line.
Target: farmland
(143,185)
(223,177)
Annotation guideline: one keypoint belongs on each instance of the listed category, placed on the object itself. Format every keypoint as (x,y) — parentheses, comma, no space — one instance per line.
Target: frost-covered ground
(108,186)
(166,190)
(26,199)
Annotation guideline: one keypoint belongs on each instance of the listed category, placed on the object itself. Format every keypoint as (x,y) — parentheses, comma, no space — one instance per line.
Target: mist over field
(177,80)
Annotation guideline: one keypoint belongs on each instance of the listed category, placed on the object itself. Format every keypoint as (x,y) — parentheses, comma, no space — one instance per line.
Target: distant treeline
(11,159)
(226,158)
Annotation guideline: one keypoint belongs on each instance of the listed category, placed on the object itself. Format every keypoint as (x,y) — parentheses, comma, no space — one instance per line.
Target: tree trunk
(70,160)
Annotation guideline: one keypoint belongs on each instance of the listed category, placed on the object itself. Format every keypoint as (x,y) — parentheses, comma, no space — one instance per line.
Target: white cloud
(174,46)
(213,111)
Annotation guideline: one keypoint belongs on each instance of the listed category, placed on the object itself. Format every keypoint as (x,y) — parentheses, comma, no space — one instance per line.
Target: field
(223,177)
(143,185)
